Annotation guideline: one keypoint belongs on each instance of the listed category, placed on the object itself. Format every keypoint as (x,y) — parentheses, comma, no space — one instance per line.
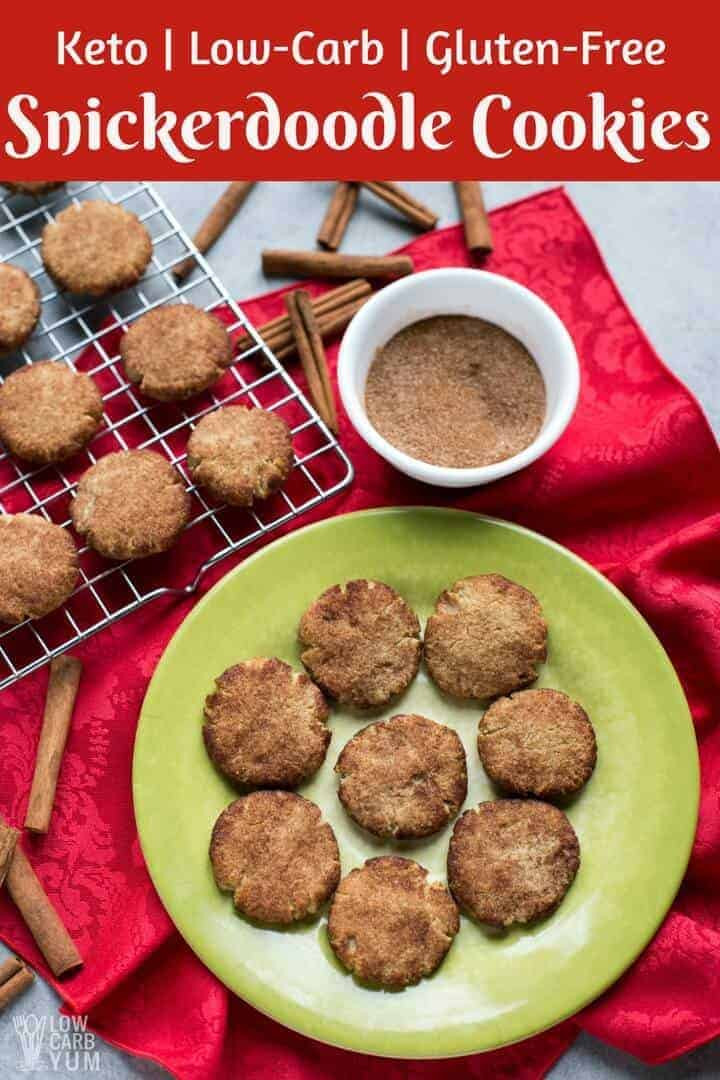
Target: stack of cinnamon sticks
(311,351)
(333,311)
(16,872)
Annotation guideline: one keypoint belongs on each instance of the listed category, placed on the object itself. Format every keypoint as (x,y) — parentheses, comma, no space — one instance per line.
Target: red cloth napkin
(634,487)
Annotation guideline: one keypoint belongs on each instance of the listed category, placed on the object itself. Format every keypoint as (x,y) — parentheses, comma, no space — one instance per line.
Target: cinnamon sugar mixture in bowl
(455,391)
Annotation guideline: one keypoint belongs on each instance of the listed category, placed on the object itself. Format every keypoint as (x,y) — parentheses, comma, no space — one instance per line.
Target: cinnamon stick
(214,225)
(277,332)
(41,918)
(10,967)
(12,987)
(337,216)
(328,326)
(329,264)
(415,211)
(312,355)
(8,840)
(62,690)
(478,235)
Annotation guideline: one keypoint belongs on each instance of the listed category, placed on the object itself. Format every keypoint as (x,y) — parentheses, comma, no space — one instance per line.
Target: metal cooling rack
(86,336)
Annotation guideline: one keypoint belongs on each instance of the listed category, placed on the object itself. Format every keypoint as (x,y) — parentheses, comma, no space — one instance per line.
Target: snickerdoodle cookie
(174,352)
(361,643)
(48,412)
(275,854)
(537,742)
(265,724)
(240,454)
(95,248)
(32,187)
(389,925)
(512,861)
(403,777)
(38,567)
(19,307)
(129,504)
(485,637)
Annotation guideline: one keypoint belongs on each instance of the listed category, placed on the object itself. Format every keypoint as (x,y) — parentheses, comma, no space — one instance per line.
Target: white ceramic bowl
(458,291)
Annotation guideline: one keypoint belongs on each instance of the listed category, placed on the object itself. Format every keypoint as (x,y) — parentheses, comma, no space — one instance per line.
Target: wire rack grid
(86,337)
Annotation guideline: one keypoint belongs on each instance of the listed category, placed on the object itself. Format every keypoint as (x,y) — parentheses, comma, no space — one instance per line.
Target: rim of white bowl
(441,475)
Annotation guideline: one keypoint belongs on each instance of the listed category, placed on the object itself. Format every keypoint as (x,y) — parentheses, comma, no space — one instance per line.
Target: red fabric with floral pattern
(634,487)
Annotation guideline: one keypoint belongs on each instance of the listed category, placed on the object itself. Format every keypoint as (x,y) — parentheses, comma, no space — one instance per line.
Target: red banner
(621,92)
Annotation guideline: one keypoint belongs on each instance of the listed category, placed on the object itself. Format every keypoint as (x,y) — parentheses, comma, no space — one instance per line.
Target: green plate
(635,819)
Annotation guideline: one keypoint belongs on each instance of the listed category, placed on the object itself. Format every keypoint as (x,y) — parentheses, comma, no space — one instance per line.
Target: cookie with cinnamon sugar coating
(512,860)
(265,724)
(403,777)
(486,636)
(361,643)
(389,925)
(277,856)
(130,504)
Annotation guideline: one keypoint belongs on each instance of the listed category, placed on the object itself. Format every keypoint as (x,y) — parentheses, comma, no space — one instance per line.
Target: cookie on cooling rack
(389,925)
(275,854)
(240,454)
(173,352)
(32,187)
(361,643)
(512,861)
(403,777)
(38,567)
(19,307)
(48,412)
(537,742)
(485,637)
(95,248)
(130,504)
(266,725)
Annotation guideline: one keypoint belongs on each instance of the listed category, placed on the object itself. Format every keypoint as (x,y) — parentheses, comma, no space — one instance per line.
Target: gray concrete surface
(661,242)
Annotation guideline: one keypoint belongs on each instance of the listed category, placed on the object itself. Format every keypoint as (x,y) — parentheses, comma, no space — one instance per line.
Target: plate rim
(441,511)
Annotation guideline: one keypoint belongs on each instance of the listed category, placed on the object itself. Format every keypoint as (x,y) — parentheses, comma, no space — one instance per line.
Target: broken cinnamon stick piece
(415,211)
(312,355)
(215,223)
(8,840)
(41,918)
(62,690)
(337,216)
(478,235)
(15,985)
(330,264)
